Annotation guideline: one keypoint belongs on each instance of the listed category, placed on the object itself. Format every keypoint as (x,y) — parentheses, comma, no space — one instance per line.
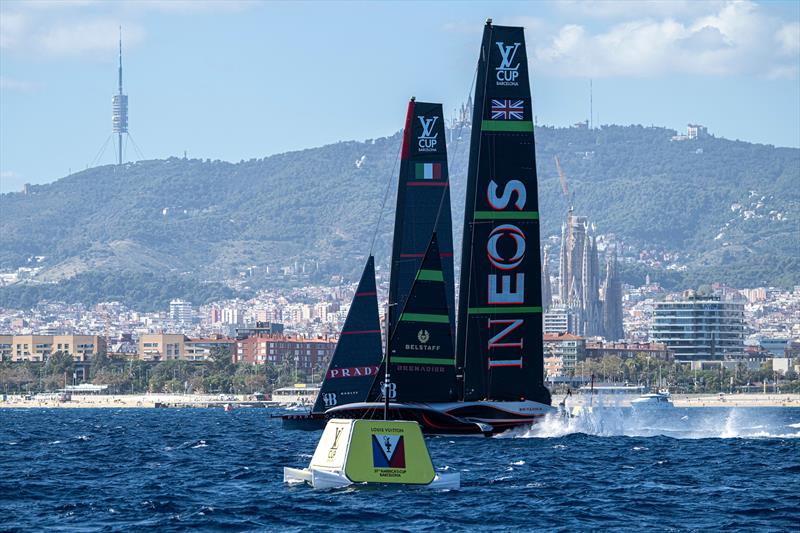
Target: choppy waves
(689,423)
(183,470)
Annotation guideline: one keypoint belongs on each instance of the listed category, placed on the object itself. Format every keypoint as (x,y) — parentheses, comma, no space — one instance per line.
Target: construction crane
(563,180)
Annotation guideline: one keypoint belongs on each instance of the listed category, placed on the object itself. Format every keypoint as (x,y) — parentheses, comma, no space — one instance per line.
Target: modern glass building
(700,328)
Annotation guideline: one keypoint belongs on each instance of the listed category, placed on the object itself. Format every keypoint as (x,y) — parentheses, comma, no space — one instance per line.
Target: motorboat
(654,400)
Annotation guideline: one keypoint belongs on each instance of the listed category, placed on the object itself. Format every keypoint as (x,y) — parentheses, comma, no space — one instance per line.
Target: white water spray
(689,423)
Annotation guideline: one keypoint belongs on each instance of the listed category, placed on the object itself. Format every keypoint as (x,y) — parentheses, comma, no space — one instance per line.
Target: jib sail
(358,353)
(422,362)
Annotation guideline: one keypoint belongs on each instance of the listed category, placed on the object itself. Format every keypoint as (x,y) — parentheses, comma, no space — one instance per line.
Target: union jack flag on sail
(507,110)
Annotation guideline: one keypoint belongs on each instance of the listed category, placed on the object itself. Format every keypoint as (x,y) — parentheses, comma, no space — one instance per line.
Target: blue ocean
(205,469)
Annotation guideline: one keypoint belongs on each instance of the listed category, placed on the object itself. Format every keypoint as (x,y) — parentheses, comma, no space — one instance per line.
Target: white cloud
(96,37)
(88,28)
(625,9)
(788,38)
(12,29)
(739,38)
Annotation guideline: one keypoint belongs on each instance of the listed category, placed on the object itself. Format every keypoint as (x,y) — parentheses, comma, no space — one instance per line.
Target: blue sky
(240,80)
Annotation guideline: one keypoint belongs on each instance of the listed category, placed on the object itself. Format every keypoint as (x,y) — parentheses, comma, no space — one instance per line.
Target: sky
(240,79)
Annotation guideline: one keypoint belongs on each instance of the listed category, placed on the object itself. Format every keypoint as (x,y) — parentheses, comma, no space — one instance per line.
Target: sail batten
(499,341)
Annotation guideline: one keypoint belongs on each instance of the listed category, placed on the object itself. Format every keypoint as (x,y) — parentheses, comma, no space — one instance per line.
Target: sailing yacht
(492,377)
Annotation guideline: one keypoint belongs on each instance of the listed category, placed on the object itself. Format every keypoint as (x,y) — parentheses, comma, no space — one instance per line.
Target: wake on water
(688,423)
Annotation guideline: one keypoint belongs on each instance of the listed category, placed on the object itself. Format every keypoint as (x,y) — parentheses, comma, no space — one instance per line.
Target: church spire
(547,291)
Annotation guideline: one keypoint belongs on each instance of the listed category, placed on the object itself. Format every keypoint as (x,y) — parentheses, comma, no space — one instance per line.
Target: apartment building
(162,346)
(39,347)
(306,354)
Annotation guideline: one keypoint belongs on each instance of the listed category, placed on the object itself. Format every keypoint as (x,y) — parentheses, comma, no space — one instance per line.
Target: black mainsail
(499,354)
(423,206)
(358,353)
(422,356)
(499,340)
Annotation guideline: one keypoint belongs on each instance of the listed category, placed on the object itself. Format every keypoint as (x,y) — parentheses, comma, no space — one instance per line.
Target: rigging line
(136,147)
(114,148)
(101,151)
(385,197)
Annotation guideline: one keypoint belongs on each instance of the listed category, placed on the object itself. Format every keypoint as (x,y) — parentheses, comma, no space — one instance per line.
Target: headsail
(423,206)
(422,363)
(499,342)
(358,353)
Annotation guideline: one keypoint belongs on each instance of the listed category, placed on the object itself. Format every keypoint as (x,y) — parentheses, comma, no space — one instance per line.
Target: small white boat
(655,400)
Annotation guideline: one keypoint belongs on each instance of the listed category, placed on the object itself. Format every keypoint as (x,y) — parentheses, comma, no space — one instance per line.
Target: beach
(123,401)
(133,401)
(736,400)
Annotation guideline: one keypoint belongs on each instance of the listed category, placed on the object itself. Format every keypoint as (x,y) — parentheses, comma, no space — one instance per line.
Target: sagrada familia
(597,308)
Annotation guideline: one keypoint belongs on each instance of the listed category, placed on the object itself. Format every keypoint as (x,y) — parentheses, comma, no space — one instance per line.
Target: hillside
(729,207)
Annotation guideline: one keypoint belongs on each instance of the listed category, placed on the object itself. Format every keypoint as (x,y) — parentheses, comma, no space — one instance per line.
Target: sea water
(195,469)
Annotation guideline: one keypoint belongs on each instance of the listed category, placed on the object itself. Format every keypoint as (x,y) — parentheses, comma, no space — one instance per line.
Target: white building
(559,319)
(700,328)
(180,310)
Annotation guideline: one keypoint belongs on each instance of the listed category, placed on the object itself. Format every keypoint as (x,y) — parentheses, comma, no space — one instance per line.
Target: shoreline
(737,400)
(131,401)
(149,400)
(703,400)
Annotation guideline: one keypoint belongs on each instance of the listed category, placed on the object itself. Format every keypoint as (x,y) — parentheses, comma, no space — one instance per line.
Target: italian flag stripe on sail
(429,171)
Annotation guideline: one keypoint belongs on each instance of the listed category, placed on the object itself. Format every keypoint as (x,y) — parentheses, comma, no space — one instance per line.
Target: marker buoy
(371,451)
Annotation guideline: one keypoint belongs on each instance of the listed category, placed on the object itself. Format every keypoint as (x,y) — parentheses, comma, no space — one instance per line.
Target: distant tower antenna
(591,108)
(119,108)
(119,119)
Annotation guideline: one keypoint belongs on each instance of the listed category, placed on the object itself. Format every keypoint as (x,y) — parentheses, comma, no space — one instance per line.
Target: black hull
(473,418)
(432,422)
(305,422)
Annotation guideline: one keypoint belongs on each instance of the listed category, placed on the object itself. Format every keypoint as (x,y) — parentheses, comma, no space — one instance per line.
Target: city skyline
(217,98)
(179,328)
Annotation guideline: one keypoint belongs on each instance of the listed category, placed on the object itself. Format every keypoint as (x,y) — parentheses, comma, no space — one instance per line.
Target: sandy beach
(128,401)
(122,401)
(736,400)
(699,400)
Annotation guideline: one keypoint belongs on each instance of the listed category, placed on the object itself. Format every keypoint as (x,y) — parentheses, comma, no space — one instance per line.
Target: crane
(563,179)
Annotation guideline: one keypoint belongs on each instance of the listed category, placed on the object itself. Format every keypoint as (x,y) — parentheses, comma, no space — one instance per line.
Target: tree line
(220,375)
(680,378)
(217,375)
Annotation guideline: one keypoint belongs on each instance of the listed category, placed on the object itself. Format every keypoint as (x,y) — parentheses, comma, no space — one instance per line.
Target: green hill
(728,208)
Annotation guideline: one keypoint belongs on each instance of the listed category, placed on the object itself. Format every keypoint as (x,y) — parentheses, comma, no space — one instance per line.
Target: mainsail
(423,206)
(499,343)
(422,362)
(355,360)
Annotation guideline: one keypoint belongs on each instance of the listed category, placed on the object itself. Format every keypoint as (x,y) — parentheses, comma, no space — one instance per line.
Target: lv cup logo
(506,74)
(427,140)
